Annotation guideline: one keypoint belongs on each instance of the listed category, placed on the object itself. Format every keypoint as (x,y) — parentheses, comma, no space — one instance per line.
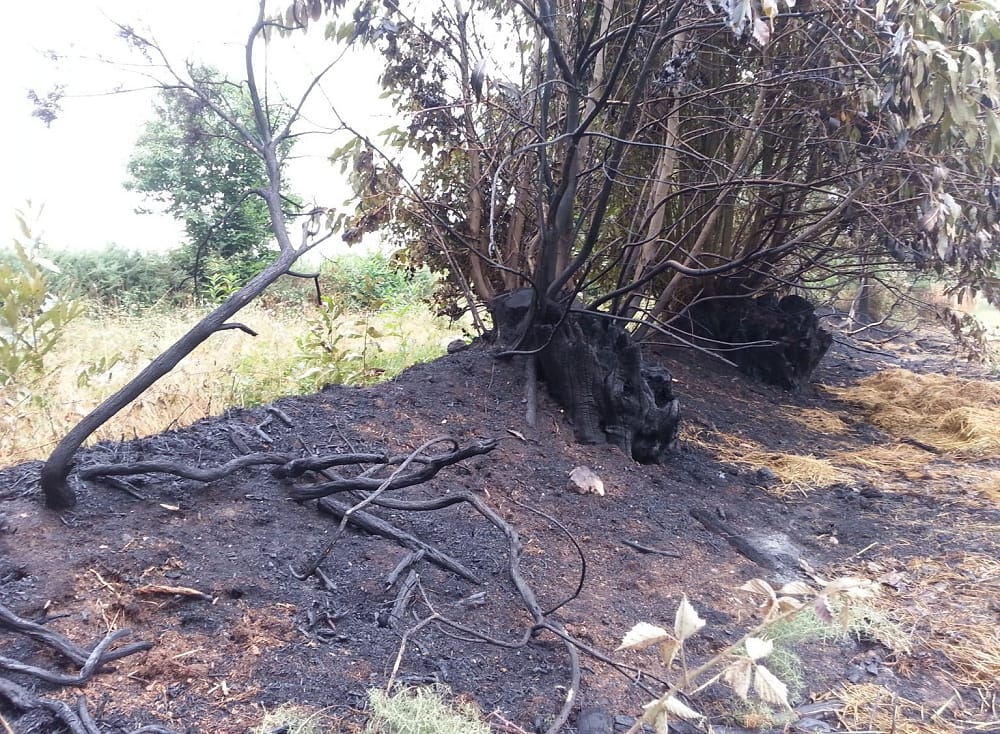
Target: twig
(403,598)
(411,559)
(377,526)
(389,483)
(647,549)
(397,480)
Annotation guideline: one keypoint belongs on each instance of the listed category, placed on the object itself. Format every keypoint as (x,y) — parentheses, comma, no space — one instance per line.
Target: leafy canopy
(191,162)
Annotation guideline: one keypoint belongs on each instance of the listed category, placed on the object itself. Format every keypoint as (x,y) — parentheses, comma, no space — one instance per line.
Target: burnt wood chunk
(779,342)
(594,370)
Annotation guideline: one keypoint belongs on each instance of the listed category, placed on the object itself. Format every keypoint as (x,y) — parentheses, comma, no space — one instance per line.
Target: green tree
(190,161)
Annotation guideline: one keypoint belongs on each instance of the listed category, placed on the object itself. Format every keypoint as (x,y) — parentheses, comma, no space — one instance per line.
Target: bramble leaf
(642,635)
(686,621)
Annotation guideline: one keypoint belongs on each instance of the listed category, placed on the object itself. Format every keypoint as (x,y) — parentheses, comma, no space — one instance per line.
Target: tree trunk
(594,370)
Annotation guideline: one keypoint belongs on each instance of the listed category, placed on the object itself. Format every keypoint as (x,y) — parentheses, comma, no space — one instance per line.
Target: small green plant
(338,346)
(95,368)
(741,665)
(32,318)
(423,710)
(371,282)
(221,285)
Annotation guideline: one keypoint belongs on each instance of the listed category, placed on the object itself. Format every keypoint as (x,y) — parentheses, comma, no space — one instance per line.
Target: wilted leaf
(788,603)
(585,480)
(738,675)
(686,621)
(758,648)
(761,31)
(679,709)
(668,651)
(821,606)
(642,635)
(758,586)
(771,690)
(851,587)
(796,588)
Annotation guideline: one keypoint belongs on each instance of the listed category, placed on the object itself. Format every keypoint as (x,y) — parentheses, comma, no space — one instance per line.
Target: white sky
(76,167)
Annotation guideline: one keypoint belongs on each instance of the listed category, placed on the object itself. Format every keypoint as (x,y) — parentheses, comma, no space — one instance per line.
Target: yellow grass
(231,369)
(795,473)
(816,419)
(954,415)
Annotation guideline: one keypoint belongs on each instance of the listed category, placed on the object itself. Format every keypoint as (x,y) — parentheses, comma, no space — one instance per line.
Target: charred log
(594,370)
(779,342)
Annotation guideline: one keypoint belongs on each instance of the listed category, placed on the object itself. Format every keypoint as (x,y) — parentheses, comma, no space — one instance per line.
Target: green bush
(125,279)
(371,282)
(32,318)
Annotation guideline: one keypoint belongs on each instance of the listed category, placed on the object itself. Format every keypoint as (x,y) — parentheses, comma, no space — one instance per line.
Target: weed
(741,665)
(421,711)
(295,719)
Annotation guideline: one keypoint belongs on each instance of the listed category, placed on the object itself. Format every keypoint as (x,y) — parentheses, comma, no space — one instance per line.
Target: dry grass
(951,602)
(873,708)
(817,419)
(954,415)
(101,352)
(795,473)
(906,461)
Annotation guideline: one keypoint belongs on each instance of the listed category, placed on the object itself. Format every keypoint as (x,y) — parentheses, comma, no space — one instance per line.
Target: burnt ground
(261,637)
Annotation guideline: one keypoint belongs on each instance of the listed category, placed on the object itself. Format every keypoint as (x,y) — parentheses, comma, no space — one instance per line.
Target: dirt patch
(261,638)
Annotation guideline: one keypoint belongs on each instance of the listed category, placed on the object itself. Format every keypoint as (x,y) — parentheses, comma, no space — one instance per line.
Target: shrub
(124,279)
(32,318)
(371,282)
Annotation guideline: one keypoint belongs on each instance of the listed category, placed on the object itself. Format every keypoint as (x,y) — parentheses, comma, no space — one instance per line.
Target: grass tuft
(422,711)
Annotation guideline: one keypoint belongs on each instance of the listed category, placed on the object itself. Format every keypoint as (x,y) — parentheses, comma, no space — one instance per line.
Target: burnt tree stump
(594,370)
(783,340)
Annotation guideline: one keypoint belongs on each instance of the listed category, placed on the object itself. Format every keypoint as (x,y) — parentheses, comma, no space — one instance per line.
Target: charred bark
(779,342)
(594,370)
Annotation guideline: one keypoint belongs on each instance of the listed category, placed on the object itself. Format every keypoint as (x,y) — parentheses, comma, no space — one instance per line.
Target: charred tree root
(287,467)
(91,662)
(594,370)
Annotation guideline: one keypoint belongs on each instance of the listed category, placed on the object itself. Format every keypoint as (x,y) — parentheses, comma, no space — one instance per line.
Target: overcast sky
(75,167)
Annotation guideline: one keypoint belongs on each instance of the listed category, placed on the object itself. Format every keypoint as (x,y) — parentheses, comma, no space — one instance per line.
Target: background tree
(194,164)
(715,149)
(265,133)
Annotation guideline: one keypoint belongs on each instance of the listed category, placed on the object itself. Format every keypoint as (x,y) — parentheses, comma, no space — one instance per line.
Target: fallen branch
(173,591)
(65,646)
(377,526)
(182,470)
(431,466)
(91,662)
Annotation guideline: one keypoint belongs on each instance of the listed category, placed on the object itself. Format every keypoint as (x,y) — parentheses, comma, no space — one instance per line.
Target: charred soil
(701,525)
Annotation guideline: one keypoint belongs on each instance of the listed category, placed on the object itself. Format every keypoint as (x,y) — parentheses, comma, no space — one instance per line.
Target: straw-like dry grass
(869,707)
(954,415)
(795,473)
(816,419)
(899,459)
